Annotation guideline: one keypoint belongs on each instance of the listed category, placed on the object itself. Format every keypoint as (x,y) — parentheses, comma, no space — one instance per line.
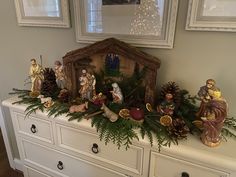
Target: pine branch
(58,109)
(227,133)
(33,108)
(230,123)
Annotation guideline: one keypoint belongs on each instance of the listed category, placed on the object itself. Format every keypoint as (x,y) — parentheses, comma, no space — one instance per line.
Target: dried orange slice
(34,94)
(166,120)
(198,124)
(124,113)
(149,107)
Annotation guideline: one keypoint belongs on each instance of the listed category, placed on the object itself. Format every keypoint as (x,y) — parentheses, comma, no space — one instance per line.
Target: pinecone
(64,96)
(178,129)
(49,86)
(173,88)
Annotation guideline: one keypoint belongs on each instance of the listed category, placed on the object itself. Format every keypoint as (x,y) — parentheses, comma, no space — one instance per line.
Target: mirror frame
(138,41)
(207,23)
(60,22)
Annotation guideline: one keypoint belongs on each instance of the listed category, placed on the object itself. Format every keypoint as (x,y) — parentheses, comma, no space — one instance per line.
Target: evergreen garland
(124,131)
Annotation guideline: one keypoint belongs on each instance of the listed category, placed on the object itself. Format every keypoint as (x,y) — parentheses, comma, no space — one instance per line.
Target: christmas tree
(147,20)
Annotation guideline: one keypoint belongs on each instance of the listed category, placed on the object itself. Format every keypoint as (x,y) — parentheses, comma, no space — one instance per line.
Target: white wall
(196,56)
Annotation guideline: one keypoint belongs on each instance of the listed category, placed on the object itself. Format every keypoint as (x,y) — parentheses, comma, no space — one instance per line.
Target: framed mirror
(142,23)
(211,15)
(45,13)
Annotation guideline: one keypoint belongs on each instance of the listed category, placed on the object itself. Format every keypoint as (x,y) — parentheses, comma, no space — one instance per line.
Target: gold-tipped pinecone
(178,129)
(49,85)
(173,88)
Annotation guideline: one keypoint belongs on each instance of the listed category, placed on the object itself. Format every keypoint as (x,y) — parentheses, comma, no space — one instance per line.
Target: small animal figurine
(109,114)
(79,108)
(47,101)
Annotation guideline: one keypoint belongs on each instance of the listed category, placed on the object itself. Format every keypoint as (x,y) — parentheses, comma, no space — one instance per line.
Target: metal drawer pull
(128,175)
(33,128)
(185,174)
(60,165)
(95,148)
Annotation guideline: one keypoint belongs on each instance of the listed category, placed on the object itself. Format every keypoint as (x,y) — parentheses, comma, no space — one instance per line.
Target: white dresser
(54,147)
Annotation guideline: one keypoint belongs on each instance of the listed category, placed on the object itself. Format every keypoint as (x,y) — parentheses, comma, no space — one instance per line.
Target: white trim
(18,164)
(6,138)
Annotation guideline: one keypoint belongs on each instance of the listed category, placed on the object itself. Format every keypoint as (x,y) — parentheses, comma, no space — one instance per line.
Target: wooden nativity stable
(93,59)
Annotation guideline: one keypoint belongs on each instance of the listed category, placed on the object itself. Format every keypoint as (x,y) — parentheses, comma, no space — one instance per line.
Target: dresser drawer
(61,164)
(89,144)
(166,166)
(31,172)
(34,127)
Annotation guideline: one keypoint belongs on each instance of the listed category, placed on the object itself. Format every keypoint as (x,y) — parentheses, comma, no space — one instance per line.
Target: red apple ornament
(137,114)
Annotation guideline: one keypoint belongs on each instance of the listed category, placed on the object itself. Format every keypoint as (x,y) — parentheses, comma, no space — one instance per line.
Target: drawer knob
(128,175)
(95,148)
(33,128)
(185,174)
(60,165)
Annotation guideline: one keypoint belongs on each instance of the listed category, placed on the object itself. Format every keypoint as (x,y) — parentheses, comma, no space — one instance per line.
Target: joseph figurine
(36,76)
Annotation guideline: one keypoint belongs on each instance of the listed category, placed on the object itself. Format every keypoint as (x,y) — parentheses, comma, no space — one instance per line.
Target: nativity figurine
(117,94)
(204,95)
(36,76)
(212,112)
(60,75)
(112,116)
(87,85)
(167,106)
